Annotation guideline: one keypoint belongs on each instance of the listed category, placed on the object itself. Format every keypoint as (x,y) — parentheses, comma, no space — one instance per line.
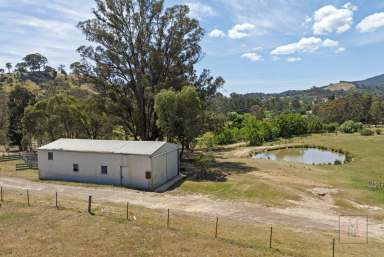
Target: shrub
(378,131)
(225,137)
(207,140)
(314,125)
(350,126)
(366,132)
(337,162)
(253,130)
(291,124)
(331,127)
(255,138)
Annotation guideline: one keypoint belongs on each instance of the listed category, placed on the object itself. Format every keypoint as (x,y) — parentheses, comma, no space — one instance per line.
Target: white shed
(136,164)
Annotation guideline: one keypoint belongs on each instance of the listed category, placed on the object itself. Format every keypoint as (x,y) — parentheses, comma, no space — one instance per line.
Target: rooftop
(105,146)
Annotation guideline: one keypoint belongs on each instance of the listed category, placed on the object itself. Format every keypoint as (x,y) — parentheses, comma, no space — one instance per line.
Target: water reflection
(301,155)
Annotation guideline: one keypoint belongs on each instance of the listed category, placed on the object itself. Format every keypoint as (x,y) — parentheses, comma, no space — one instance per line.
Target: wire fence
(214,227)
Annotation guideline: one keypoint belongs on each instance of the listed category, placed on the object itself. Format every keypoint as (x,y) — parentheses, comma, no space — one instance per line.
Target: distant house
(135,164)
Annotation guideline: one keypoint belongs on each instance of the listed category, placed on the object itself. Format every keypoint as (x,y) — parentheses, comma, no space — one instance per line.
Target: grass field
(42,230)
(274,182)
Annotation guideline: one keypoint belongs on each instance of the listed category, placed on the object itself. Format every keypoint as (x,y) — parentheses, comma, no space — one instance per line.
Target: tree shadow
(212,170)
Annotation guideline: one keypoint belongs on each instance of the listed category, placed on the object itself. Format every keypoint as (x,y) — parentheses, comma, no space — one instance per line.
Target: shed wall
(165,166)
(61,168)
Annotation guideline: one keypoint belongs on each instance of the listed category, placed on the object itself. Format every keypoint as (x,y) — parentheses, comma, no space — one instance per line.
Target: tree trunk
(182,151)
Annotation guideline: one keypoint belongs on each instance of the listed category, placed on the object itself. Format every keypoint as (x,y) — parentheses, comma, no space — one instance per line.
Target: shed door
(124,175)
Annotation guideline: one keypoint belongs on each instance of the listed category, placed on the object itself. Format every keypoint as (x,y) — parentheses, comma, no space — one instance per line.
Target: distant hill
(373,85)
(342,85)
(376,82)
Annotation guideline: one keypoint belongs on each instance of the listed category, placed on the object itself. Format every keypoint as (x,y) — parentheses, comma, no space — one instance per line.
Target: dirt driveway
(301,216)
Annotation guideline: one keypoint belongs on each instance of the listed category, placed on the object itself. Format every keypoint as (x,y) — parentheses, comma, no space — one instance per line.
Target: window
(50,156)
(104,170)
(75,167)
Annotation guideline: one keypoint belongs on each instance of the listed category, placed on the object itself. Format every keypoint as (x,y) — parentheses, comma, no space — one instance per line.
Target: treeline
(247,128)
(112,91)
(359,107)
(137,81)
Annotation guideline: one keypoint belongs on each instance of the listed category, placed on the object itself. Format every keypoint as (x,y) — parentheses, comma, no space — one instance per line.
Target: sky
(255,45)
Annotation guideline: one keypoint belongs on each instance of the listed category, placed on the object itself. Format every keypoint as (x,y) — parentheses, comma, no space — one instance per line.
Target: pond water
(303,155)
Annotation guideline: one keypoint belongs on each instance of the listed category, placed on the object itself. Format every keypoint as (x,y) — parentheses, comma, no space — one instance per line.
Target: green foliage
(366,132)
(331,127)
(378,131)
(138,49)
(235,119)
(35,61)
(228,136)
(355,106)
(19,99)
(290,124)
(179,114)
(65,116)
(207,140)
(314,124)
(350,126)
(377,111)
(256,131)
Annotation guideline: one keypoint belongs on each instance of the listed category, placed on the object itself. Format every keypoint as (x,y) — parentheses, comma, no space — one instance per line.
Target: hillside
(377,82)
(341,86)
(373,85)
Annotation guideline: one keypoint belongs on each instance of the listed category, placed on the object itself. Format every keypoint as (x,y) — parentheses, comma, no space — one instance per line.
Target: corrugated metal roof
(105,146)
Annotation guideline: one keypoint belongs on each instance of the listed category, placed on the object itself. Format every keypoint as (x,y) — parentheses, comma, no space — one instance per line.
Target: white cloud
(371,23)
(216,33)
(330,43)
(241,30)
(253,56)
(340,50)
(329,19)
(51,26)
(294,59)
(199,10)
(309,44)
(304,45)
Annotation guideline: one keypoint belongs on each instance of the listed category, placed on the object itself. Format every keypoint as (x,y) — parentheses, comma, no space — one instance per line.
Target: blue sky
(256,45)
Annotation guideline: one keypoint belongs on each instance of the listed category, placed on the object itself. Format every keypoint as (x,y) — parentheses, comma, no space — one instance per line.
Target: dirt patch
(307,213)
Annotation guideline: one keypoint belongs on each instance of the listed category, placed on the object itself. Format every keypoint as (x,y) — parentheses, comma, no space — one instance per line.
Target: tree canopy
(35,62)
(141,49)
(179,115)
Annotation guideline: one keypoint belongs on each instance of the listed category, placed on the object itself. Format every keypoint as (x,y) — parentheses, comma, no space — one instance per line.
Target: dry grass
(281,180)
(42,230)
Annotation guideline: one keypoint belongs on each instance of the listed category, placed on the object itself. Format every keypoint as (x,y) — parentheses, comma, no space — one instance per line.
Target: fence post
(168,219)
(333,248)
(270,239)
(57,205)
(127,210)
(1,194)
(28,198)
(90,204)
(217,223)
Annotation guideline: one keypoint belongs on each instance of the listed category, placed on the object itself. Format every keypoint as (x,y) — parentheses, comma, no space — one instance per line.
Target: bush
(366,132)
(207,140)
(291,124)
(256,131)
(350,126)
(331,127)
(378,131)
(225,137)
(314,125)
